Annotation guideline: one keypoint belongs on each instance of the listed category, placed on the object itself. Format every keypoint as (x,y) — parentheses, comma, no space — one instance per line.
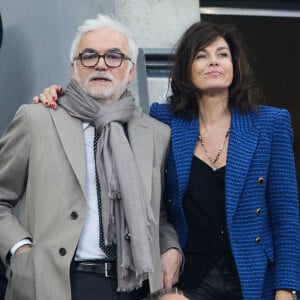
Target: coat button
(62,251)
(127,236)
(260,180)
(258,211)
(257,240)
(74,215)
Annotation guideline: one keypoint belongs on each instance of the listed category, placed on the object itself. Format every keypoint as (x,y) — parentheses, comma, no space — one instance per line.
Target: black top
(204,206)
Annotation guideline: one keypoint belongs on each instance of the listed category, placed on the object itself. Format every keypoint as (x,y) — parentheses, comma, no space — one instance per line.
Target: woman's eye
(223,54)
(199,56)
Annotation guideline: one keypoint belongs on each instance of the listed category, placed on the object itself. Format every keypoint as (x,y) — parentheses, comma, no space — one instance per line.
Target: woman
(231,174)
(231,177)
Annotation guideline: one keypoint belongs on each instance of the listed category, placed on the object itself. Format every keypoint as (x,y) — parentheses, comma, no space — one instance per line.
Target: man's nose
(101,65)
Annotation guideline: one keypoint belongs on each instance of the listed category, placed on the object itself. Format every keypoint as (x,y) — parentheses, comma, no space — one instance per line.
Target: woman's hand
(49,96)
(283,295)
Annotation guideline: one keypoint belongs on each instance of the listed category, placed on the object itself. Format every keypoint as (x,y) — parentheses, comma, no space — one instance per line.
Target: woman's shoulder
(161,112)
(266,113)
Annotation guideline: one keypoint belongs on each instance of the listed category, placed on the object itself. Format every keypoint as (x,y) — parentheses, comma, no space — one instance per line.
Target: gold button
(260,180)
(257,240)
(258,211)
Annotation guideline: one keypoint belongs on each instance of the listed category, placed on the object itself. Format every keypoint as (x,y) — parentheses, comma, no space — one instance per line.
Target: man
(89,176)
(167,294)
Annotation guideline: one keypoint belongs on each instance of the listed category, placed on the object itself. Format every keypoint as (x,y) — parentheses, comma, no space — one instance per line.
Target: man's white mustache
(101,75)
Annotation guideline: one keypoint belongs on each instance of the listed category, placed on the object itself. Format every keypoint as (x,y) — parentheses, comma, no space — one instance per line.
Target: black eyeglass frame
(123,57)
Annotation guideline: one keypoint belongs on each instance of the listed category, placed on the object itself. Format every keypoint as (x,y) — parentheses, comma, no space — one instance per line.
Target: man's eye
(88,56)
(113,56)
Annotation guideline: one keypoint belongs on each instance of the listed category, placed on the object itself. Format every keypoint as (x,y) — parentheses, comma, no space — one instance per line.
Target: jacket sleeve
(283,205)
(167,234)
(14,157)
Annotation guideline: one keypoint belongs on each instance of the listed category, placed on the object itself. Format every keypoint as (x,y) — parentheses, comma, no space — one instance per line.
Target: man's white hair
(103,21)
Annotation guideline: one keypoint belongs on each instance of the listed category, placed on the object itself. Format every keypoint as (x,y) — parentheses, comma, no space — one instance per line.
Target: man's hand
(49,96)
(23,249)
(170,267)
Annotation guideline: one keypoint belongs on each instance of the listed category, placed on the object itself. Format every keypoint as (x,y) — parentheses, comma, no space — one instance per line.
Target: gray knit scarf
(125,209)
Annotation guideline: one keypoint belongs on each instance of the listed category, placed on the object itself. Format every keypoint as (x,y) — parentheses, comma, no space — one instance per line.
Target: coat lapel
(71,136)
(242,143)
(141,141)
(184,138)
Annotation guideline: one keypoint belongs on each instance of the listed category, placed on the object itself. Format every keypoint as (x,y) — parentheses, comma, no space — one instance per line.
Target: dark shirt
(204,206)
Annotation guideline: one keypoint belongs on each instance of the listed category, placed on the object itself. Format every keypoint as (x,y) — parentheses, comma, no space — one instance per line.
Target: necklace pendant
(214,168)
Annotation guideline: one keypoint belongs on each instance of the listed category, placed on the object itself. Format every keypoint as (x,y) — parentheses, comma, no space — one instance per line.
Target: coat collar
(184,137)
(71,136)
(241,146)
(141,140)
(242,143)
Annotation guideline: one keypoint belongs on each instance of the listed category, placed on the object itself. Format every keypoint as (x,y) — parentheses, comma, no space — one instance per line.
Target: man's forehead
(103,39)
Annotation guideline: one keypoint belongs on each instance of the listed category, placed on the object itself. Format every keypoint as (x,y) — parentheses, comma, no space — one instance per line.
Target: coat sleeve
(283,205)
(14,157)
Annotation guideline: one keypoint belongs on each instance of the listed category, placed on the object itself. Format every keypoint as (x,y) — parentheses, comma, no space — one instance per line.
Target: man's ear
(131,73)
(72,70)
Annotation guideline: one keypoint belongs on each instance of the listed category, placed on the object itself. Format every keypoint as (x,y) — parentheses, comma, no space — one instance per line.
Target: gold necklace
(213,160)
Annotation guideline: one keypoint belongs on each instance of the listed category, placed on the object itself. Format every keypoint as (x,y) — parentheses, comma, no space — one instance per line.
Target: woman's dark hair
(243,92)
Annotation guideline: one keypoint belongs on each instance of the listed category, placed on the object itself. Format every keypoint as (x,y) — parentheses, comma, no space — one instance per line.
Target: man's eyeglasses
(112,59)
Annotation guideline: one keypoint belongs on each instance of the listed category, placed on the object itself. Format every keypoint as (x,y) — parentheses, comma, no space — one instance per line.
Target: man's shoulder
(156,124)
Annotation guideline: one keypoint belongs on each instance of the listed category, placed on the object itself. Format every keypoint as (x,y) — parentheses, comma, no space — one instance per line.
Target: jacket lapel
(184,138)
(71,136)
(242,143)
(141,140)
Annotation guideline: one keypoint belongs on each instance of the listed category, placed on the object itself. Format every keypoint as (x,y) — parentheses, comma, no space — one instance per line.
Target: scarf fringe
(134,284)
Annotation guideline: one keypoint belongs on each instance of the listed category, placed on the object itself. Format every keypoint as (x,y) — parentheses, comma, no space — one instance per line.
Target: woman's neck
(214,110)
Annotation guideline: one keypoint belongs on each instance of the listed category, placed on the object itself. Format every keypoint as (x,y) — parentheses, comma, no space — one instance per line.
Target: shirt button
(258,211)
(62,251)
(74,215)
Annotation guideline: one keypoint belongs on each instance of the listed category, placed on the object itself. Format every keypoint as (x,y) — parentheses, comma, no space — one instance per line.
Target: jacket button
(74,215)
(260,180)
(127,236)
(258,211)
(257,240)
(62,251)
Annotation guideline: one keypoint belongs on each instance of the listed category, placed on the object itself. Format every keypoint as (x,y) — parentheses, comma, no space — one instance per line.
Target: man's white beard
(103,94)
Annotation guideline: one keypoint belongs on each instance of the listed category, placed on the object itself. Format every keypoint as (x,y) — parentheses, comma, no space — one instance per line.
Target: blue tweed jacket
(262,210)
